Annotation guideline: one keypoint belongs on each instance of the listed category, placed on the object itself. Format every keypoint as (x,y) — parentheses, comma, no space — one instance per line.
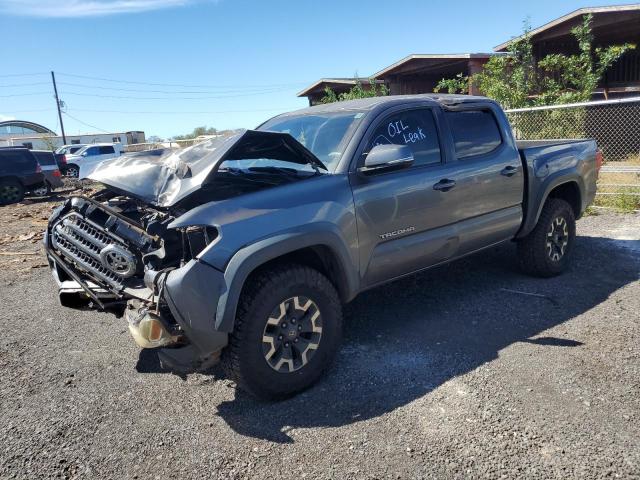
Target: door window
(475,132)
(92,151)
(106,150)
(414,128)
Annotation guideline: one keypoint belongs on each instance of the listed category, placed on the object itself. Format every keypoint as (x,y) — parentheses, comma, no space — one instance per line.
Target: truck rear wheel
(287,332)
(545,251)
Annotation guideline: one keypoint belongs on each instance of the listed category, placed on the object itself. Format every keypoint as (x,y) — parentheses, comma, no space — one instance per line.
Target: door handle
(509,171)
(444,185)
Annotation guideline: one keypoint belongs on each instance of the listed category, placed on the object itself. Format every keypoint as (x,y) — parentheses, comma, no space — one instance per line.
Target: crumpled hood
(164,177)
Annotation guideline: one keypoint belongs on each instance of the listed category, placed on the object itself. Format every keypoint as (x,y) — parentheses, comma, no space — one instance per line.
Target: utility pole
(55,89)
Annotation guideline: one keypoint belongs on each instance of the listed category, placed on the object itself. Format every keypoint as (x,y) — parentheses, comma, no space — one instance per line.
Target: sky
(168,66)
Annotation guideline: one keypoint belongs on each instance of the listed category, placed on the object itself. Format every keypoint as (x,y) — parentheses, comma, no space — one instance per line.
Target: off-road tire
(244,360)
(533,251)
(11,191)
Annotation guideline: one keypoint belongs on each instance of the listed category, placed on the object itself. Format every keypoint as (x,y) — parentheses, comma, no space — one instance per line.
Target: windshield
(325,134)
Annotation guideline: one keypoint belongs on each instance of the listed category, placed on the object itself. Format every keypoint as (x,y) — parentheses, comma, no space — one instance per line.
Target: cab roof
(367,104)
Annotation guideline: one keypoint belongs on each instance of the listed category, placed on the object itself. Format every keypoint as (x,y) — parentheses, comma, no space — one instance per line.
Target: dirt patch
(22,226)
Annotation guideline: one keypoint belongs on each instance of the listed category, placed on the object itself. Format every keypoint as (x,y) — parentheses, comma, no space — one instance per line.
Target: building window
(116,140)
(75,142)
(29,145)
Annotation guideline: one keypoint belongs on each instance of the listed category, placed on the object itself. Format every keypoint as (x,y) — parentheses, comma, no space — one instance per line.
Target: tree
(573,78)
(458,84)
(357,91)
(515,80)
(50,142)
(197,132)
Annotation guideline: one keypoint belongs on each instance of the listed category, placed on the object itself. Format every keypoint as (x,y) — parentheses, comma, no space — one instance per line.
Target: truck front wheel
(287,332)
(545,251)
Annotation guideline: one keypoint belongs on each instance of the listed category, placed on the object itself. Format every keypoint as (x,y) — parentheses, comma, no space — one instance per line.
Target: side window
(106,149)
(414,128)
(19,160)
(92,151)
(475,132)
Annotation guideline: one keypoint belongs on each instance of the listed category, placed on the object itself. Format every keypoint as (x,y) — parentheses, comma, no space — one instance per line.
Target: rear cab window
(475,132)
(414,128)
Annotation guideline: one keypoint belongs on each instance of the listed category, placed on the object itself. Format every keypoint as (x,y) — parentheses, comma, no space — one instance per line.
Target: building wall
(43,142)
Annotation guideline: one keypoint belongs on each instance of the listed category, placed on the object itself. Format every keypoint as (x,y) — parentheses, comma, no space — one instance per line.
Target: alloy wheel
(292,334)
(40,191)
(557,239)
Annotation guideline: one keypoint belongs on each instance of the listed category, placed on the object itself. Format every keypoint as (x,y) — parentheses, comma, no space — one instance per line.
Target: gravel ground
(469,370)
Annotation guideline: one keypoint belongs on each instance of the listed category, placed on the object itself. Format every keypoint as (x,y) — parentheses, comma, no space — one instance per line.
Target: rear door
(489,178)
(404,224)
(106,152)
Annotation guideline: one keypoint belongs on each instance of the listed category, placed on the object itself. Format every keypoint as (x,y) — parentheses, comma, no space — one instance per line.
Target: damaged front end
(118,251)
(113,253)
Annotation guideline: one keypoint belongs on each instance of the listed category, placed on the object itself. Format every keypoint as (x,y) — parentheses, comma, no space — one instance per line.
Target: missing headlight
(196,238)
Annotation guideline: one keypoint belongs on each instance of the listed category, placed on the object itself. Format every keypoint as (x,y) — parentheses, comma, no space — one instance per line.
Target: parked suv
(52,175)
(81,163)
(19,172)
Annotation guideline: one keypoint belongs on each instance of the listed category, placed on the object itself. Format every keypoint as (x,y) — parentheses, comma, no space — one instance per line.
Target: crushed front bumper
(191,292)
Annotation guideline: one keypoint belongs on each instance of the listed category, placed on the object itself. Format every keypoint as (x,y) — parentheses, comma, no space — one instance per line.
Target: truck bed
(544,161)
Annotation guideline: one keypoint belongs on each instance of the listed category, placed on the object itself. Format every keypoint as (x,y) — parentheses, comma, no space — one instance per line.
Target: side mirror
(383,157)
(83,154)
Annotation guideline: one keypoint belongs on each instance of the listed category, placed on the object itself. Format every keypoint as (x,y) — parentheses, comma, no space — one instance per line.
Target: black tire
(545,252)
(246,359)
(72,170)
(11,191)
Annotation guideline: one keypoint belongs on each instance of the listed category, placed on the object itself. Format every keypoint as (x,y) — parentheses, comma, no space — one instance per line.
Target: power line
(84,123)
(177,84)
(22,74)
(166,91)
(129,97)
(32,111)
(25,94)
(181,112)
(23,84)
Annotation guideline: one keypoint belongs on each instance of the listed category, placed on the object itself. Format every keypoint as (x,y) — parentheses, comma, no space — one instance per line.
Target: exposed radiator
(92,249)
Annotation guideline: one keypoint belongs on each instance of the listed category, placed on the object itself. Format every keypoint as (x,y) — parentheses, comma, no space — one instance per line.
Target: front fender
(249,258)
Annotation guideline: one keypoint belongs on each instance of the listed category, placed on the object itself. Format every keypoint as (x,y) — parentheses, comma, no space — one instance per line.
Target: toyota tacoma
(244,249)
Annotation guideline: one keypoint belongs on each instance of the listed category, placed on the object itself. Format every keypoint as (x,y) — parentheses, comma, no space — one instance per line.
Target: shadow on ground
(405,339)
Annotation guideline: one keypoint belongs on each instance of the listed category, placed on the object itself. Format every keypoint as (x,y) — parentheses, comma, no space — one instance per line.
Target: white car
(82,163)
(70,149)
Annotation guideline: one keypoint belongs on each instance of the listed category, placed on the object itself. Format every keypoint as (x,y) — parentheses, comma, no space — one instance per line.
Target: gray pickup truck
(243,249)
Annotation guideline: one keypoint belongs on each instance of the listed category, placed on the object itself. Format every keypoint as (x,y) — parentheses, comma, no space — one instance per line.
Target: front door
(404,224)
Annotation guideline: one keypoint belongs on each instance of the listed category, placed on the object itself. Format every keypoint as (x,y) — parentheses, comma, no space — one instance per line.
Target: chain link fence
(615,124)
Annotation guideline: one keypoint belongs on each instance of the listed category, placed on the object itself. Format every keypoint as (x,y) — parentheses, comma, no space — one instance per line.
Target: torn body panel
(165,180)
